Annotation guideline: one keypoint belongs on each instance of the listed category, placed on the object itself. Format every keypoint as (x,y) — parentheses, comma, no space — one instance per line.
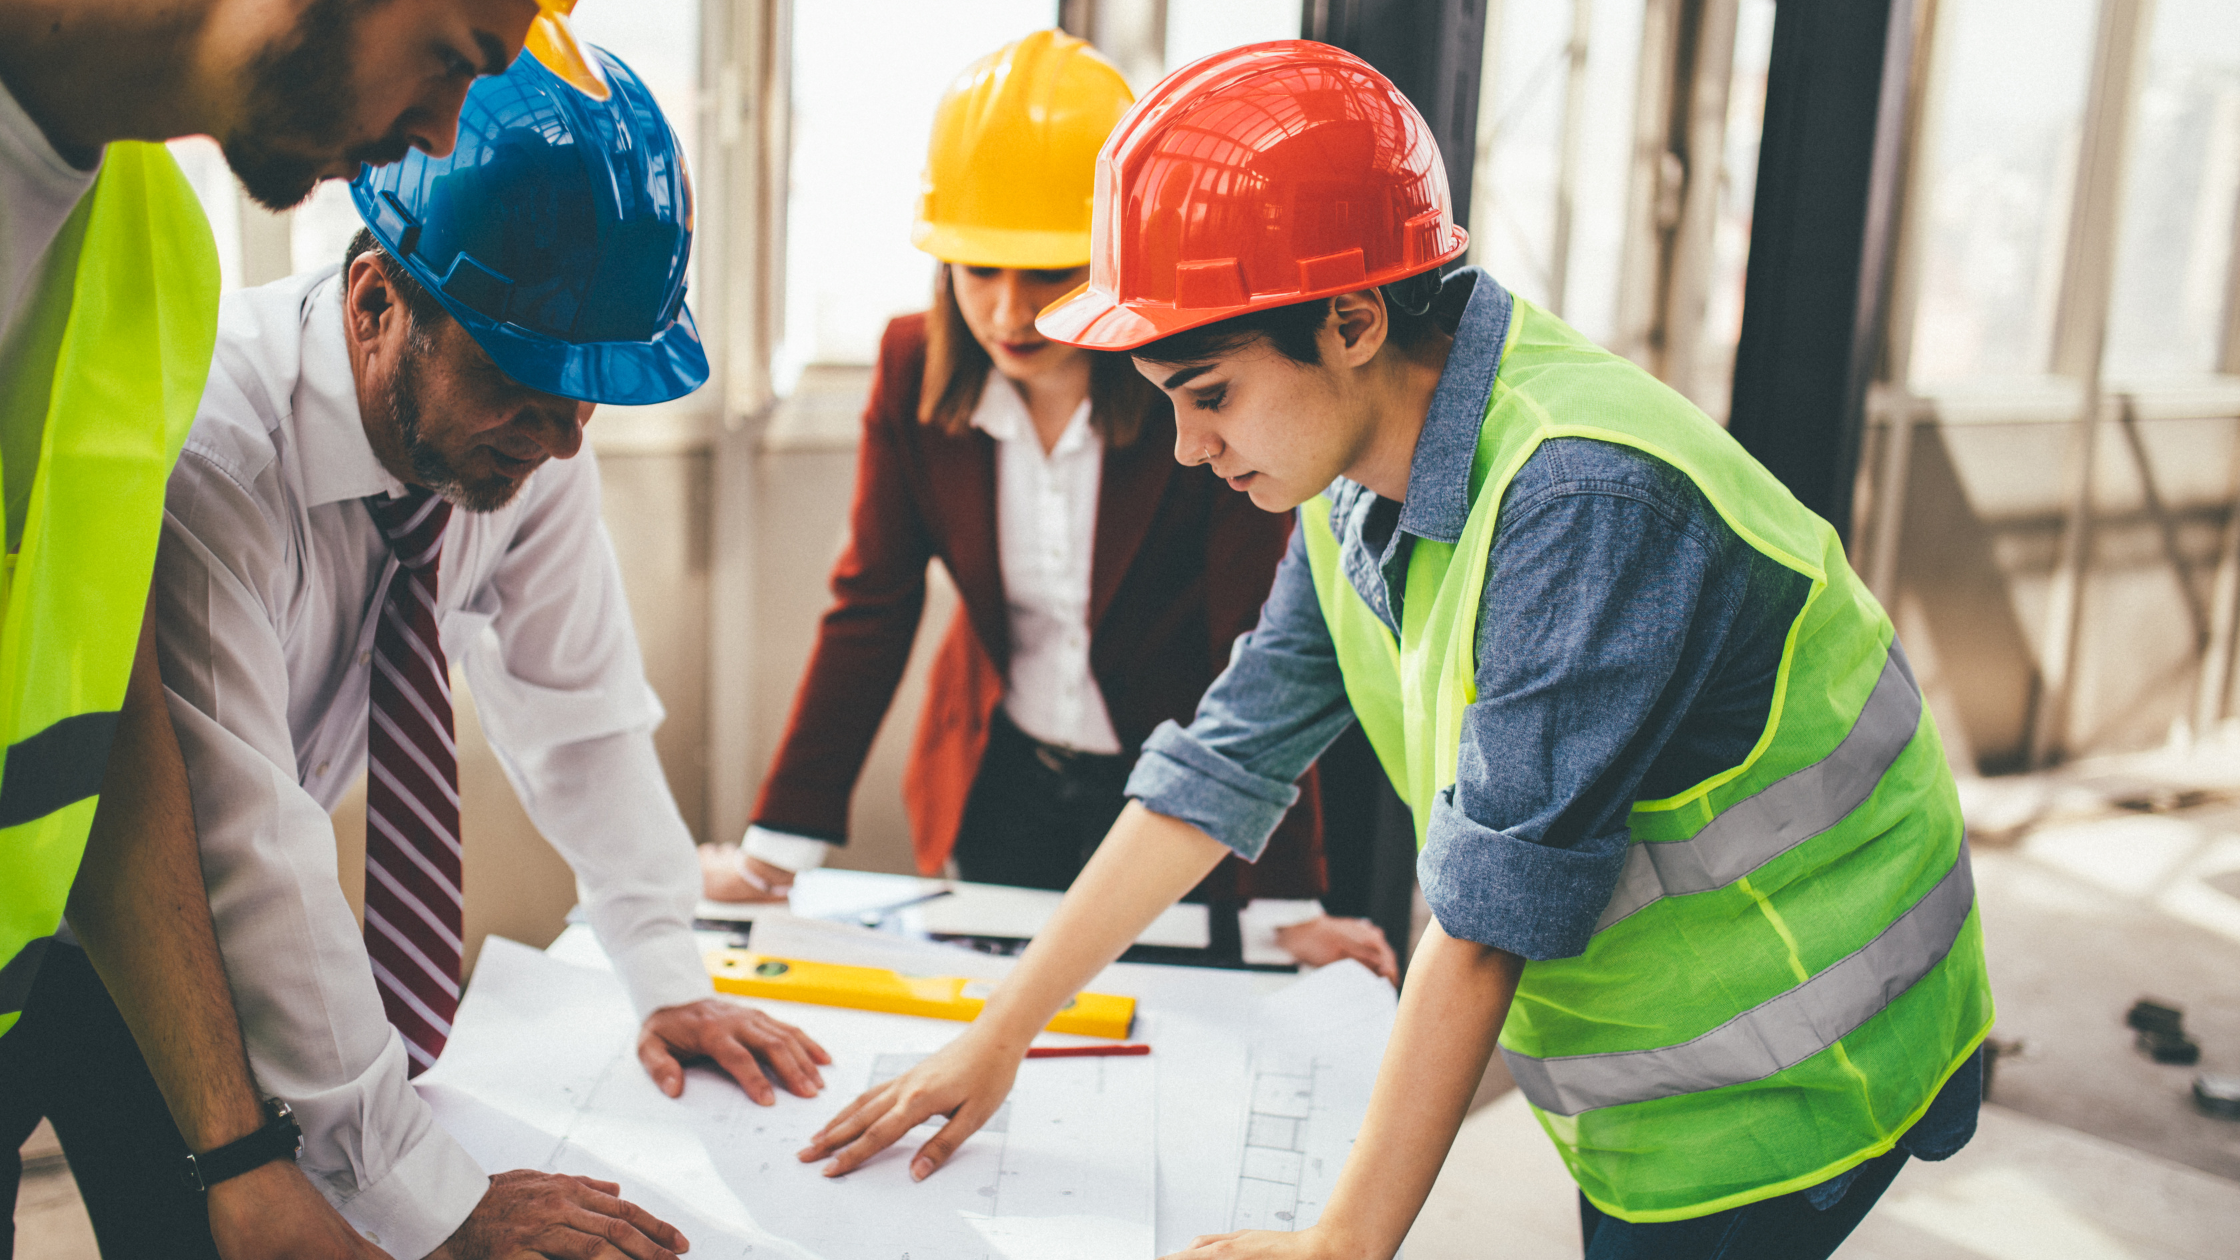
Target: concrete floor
(51,1223)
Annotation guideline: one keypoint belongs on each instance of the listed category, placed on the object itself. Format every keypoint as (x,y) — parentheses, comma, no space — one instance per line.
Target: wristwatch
(280,1138)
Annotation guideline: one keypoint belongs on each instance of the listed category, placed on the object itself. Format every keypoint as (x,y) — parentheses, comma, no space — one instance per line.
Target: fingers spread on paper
(963,1082)
(1255,1245)
(573,1218)
(736,1037)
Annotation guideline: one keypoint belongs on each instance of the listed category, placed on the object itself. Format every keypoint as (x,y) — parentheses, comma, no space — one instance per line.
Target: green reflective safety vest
(130,330)
(1792,964)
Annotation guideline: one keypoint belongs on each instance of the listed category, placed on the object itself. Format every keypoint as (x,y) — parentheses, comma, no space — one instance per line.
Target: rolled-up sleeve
(1231,772)
(1592,598)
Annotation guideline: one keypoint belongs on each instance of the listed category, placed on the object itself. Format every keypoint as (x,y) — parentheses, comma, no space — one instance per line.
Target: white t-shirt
(38,190)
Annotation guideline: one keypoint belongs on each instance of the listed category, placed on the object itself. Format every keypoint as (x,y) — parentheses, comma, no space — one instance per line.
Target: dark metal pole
(1432,50)
(1822,243)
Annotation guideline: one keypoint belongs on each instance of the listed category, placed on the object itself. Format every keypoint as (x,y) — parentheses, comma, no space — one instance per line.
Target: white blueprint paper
(1065,1171)
(1315,1053)
(1198,1021)
(1208,1028)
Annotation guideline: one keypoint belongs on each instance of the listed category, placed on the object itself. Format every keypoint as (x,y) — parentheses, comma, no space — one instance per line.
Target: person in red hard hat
(1686,830)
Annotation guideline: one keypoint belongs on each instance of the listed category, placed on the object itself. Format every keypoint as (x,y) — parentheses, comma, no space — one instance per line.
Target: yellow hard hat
(1012,166)
(553,42)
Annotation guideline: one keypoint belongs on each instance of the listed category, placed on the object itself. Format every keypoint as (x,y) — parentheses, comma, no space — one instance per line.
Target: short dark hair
(420,306)
(1295,330)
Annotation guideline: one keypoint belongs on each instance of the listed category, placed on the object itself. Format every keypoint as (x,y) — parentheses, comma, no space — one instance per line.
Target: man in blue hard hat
(108,308)
(384,481)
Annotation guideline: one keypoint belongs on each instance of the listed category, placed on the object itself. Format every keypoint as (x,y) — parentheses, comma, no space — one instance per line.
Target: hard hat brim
(1094,319)
(1002,247)
(622,373)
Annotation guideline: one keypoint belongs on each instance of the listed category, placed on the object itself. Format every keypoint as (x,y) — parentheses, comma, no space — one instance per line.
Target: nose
(560,433)
(1014,309)
(1193,445)
(433,127)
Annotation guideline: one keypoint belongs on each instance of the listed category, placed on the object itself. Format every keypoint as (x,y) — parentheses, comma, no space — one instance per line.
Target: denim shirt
(1628,643)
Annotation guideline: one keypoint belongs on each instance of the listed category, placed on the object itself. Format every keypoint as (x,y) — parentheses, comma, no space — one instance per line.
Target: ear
(1359,325)
(370,309)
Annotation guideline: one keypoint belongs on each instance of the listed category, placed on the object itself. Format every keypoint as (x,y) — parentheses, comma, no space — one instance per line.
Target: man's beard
(429,465)
(300,105)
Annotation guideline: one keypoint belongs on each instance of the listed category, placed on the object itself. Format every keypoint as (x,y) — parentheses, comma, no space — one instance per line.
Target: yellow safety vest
(1792,964)
(131,330)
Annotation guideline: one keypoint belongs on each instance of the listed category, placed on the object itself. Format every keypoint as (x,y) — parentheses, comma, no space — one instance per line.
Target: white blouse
(1046,524)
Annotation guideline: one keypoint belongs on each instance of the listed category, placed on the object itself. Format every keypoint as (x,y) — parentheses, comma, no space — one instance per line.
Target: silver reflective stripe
(1774,1035)
(1761,827)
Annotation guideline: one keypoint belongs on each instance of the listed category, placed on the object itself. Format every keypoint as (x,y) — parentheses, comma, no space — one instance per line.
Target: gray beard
(428,464)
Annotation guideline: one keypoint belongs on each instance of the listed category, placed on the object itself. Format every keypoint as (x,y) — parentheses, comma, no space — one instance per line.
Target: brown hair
(957,368)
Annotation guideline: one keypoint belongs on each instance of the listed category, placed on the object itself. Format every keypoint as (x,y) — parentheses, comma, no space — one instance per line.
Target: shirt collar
(1438,502)
(1002,414)
(337,459)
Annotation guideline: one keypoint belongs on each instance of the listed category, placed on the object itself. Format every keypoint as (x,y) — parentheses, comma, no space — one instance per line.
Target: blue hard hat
(556,233)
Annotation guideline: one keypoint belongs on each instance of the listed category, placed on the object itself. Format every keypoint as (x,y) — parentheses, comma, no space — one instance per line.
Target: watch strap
(280,1138)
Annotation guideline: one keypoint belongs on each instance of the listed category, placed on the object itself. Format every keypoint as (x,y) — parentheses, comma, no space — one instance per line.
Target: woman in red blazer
(1101,583)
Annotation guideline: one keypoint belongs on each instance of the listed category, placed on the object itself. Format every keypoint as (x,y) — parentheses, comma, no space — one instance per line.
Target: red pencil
(1085,1052)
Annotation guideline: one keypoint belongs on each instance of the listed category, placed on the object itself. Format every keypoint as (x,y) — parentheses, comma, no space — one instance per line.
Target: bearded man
(387,476)
(108,308)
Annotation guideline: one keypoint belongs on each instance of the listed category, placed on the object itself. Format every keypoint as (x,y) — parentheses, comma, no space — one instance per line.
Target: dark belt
(1057,758)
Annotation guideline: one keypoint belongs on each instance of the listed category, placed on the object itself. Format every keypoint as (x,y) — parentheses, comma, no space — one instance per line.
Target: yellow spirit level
(749,974)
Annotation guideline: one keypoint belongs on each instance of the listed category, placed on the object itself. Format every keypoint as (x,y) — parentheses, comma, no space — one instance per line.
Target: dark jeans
(1783,1228)
(71,1059)
(1036,812)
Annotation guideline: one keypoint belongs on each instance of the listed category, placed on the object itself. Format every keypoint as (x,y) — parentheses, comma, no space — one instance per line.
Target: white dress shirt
(1046,533)
(268,585)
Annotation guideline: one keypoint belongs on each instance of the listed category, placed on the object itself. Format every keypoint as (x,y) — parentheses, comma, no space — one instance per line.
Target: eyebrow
(1185,376)
(493,52)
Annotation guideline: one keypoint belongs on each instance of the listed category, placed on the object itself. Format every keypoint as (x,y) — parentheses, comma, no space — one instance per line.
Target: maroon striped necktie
(414,914)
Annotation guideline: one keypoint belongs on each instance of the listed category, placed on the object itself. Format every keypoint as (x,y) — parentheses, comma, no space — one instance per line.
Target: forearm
(606,807)
(1146,863)
(1451,1012)
(139,909)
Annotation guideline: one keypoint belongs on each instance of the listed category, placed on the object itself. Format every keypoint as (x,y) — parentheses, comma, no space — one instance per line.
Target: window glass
(1738,187)
(866,76)
(2174,254)
(1520,141)
(205,167)
(1198,28)
(2005,116)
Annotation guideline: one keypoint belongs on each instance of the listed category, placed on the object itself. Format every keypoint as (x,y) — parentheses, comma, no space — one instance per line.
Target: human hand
(725,876)
(528,1213)
(1260,1244)
(272,1212)
(966,1081)
(735,1037)
(1318,942)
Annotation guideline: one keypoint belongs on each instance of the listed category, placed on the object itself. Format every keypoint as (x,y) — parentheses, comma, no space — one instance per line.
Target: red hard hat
(1262,176)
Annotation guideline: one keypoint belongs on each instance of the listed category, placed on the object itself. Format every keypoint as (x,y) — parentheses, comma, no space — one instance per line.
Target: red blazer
(1181,566)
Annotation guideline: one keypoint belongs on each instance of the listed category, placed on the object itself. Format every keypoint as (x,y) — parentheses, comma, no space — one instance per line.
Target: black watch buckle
(280,1138)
